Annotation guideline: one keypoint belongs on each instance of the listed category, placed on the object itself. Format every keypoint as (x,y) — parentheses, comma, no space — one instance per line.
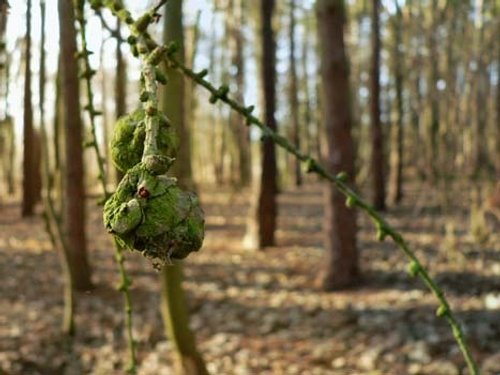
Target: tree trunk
(480,157)
(293,95)
(176,319)
(396,158)
(51,221)
(433,131)
(377,160)
(120,87)
(175,109)
(29,166)
(173,300)
(497,143)
(341,264)
(74,192)
(262,222)
(242,132)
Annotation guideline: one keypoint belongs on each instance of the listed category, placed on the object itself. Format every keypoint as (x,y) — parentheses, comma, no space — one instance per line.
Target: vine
(383,229)
(125,280)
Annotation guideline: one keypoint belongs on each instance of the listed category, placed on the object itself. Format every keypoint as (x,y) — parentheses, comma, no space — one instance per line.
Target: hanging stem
(340,180)
(125,280)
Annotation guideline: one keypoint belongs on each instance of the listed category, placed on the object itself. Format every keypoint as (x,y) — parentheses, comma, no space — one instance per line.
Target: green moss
(153,215)
(127,144)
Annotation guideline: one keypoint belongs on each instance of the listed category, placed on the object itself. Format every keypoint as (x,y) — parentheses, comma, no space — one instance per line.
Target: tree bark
(175,109)
(29,166)
(173,300)
(396,158)
(262,221)
(341,269)
(293,95)
(176,319)
(242,132)
(377,160)
(120,87)
(74,191)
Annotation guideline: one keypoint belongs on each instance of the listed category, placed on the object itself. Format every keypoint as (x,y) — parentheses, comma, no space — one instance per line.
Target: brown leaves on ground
(259,312)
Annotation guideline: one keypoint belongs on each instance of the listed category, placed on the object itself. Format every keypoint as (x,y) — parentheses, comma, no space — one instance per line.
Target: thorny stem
(125,281)
(313,166)
(353,199)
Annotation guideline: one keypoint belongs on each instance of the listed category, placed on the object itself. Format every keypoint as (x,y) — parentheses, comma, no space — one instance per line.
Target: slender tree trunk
(293,95)
(74,191)
(433,144)
(377,160)
(53,225)
(341,267)
(176,319)
(497,144)
(173,31)
(396,158)
(120,87)
(242,132)
(262,222)
(310,127)
(29,166)
(173,299)
(480,157)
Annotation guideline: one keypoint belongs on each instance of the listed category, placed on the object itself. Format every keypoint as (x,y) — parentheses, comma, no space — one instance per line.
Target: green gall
(160,77)
(95,4)
(413,269)
(127,143)
(117,6)
(201,74)
(151,214)
(310,165)
(350,202)
(156,56)
(125,15)
(381,233)
(342,177)
(143,22)
(173,48)
(144,96)
(131,39)
(441,311)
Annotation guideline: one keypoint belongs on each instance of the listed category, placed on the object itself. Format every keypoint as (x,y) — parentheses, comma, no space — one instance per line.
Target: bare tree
(377,158)
(262,221)
(341,268)
(74,191)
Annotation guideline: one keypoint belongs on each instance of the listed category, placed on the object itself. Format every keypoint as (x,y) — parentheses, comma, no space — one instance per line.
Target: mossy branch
(125,280)
(312,166)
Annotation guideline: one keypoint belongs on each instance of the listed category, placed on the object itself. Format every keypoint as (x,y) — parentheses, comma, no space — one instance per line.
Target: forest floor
(261,312)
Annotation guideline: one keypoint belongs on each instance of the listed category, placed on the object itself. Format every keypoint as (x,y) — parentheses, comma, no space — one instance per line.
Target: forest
(250,187)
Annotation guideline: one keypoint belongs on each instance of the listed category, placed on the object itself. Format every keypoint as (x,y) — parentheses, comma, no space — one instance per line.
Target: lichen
(151,214)
(127,145)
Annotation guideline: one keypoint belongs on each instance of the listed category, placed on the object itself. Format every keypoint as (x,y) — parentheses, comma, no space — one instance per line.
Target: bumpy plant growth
(129,212)
(151,214)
